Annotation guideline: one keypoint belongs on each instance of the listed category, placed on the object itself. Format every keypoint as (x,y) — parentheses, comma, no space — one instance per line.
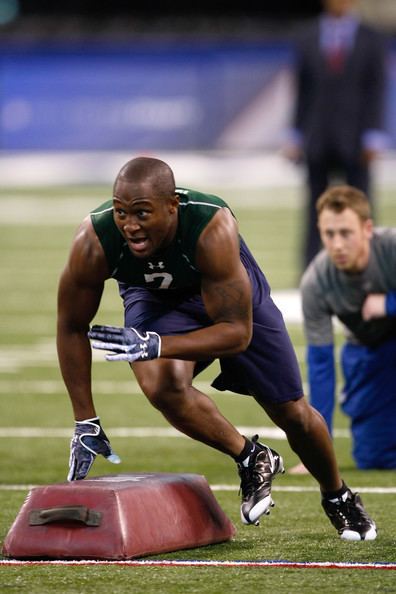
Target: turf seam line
(279,488)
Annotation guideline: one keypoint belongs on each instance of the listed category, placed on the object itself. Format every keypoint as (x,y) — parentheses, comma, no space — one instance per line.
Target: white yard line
(145,432)
(14,358)
(258,170)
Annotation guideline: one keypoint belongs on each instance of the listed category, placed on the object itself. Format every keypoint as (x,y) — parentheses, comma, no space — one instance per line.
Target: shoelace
(247,486)
(349,511)
(251,479)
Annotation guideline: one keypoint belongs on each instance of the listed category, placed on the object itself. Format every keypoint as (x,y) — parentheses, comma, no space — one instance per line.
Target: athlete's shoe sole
(371,534)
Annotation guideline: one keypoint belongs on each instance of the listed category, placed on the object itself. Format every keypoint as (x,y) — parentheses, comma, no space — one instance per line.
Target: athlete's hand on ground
(126,344)
(88,441)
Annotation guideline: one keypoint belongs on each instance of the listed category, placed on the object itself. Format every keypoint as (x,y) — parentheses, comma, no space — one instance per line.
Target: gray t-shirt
(327,291)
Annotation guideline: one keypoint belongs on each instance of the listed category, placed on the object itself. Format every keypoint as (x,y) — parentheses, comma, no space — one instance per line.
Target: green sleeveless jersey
(171,268)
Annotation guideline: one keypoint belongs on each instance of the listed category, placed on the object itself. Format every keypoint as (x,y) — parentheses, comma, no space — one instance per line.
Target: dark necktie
(336,59)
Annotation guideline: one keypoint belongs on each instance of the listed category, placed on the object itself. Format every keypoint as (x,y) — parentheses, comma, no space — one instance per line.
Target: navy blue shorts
(267,370)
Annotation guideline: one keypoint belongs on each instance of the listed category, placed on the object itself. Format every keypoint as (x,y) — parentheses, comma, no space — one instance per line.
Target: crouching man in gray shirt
(354,279)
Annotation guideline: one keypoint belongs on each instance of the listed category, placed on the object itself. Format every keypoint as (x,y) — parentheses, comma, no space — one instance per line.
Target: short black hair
(149,171)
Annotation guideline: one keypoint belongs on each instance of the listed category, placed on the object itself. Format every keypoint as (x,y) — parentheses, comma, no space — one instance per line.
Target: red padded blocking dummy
(118,516)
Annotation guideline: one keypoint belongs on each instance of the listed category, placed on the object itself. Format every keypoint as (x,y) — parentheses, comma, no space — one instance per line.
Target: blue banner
(150,97)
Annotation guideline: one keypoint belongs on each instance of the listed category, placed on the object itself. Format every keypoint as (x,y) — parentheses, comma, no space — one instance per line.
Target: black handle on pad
(66,513)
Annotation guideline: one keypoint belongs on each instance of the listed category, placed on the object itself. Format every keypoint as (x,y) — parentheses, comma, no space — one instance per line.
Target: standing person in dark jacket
(338,123)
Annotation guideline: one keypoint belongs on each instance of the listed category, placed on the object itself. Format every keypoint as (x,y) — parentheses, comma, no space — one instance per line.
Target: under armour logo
(152,266)
(143,350)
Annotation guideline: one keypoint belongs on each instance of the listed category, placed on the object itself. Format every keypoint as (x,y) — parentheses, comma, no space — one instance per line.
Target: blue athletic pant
(369,399)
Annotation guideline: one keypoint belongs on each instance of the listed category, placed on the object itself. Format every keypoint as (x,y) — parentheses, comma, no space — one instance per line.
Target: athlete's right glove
(88,441)
(125,344)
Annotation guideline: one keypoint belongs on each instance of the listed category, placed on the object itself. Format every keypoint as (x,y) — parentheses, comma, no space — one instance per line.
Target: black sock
(248,449)
(335,494)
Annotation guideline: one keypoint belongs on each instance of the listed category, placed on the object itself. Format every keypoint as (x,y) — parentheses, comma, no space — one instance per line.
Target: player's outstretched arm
(79,294)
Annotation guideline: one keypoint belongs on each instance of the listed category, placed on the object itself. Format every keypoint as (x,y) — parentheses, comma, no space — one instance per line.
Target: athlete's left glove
(88,441)
(126,344)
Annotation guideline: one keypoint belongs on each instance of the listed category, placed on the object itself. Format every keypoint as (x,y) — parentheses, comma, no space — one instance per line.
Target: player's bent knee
(163,393)
(295,417)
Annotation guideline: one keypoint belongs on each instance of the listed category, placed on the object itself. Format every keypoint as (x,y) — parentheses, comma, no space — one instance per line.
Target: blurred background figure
(353,279)
(338,118)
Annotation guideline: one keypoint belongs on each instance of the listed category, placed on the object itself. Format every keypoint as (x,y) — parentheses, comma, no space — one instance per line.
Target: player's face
(346,238)
(148,223)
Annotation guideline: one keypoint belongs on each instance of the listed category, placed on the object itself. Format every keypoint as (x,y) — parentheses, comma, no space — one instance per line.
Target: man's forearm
(75,358)
(220,340)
